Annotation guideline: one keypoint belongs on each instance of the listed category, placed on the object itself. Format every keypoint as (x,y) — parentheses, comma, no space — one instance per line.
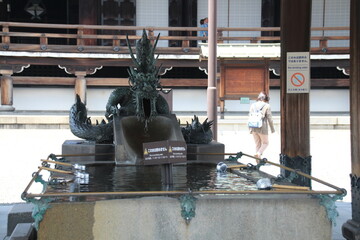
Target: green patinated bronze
(141,98)
(249,165)
(41,204)
(39,179)
(39,210)
(188,207)
(235,158)
(196,132)
(328,201)
(82,127)
(53,157)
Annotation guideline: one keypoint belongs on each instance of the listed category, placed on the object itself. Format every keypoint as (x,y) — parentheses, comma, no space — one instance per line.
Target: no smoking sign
(297,79)
(298,72)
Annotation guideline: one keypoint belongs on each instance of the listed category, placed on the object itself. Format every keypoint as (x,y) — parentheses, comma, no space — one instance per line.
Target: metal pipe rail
(263,160)
(57,162)
(170,193)
(338,191)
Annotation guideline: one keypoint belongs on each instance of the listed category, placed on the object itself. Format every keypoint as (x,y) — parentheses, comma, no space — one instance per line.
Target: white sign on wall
(298,72)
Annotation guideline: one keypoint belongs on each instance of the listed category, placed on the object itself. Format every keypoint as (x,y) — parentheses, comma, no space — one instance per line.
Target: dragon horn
(144,35)
(158,70)
(156,41)
(154,47)
(131,74)
(137,65)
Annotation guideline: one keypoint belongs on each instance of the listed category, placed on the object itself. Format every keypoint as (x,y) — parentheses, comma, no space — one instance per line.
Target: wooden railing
(17,36)
(34,38)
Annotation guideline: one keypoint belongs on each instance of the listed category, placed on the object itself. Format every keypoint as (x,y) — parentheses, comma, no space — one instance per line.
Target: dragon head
(144,77)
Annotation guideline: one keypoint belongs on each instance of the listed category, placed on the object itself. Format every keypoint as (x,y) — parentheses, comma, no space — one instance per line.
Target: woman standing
(261,134)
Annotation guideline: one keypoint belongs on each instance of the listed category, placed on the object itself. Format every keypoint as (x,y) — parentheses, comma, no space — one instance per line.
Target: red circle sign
(297,79)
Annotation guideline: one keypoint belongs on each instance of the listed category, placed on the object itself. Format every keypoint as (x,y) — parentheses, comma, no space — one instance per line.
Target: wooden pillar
(351,229)
(295,116)
(6,90)
(80,82)
(88,15)
(80,85)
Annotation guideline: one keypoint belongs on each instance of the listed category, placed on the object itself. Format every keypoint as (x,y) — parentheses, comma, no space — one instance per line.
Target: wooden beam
(121,62)
(105,82)
(166,82)
(55,81)
(320,82)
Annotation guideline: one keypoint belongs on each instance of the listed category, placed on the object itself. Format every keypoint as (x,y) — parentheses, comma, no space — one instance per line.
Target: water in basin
(194,177)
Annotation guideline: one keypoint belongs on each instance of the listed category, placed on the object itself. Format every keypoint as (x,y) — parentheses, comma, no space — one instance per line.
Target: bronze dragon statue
(82,127)
(196,132)
(141,98)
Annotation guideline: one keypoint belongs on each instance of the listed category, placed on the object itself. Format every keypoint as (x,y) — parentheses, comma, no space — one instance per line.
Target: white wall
(189,100)
(317,19)
(57,99)
(235,105)
(242,13)
(184,100)
(247,13)
(330,100)
(43,99)
(337,14)
(154,13)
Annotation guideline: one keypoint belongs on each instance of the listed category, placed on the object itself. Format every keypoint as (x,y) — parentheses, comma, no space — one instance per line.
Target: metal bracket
(232,158)
(328,201)
(40,207)
(188,206)
(39,179)
(41,204)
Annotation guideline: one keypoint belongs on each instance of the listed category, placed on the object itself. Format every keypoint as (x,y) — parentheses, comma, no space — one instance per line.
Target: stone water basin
(217,216)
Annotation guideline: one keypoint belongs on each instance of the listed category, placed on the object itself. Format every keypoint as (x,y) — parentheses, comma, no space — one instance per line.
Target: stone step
(19,213)
(24,231)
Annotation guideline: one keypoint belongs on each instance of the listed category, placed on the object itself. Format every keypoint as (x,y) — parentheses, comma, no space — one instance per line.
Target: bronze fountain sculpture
(137,113)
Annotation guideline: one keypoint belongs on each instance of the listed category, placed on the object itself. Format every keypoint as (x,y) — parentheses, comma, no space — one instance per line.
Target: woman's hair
(263,97)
